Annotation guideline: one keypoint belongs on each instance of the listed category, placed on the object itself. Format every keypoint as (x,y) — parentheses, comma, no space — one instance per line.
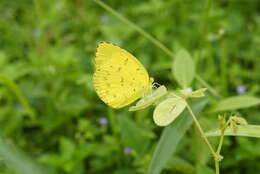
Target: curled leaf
(198,93)
(188,93)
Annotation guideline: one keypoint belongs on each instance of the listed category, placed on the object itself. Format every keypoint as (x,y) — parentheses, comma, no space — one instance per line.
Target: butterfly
(119,78)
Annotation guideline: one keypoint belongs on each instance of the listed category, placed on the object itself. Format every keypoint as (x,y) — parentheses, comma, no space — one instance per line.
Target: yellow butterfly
(119,78)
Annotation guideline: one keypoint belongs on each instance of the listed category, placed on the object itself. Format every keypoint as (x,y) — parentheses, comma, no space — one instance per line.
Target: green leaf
(18,161)
(241,130)
(150,99)
(168,110)
(183,68)
(236,102)
(171,137)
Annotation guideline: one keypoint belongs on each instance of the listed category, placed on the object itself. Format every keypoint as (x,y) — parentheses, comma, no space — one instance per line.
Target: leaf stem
(217,156)
(201,130)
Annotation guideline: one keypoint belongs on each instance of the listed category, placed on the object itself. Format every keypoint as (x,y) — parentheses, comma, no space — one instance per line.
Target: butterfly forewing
(119,78)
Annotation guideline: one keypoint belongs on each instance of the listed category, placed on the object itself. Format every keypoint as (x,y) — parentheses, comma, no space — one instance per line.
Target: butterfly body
(119,78)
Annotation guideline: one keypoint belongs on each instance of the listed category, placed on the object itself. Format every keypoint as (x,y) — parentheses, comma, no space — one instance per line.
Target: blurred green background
(49,109)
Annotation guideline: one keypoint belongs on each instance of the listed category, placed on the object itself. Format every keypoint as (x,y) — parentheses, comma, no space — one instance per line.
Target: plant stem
(220,145)
(218,151)
(216,156)
(217,166)
(222,136)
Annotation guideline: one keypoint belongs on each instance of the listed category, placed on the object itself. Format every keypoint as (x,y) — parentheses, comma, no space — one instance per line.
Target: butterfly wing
(119,78)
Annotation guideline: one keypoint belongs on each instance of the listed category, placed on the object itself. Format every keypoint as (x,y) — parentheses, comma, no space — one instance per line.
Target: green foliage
(49,109)
(9,83)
